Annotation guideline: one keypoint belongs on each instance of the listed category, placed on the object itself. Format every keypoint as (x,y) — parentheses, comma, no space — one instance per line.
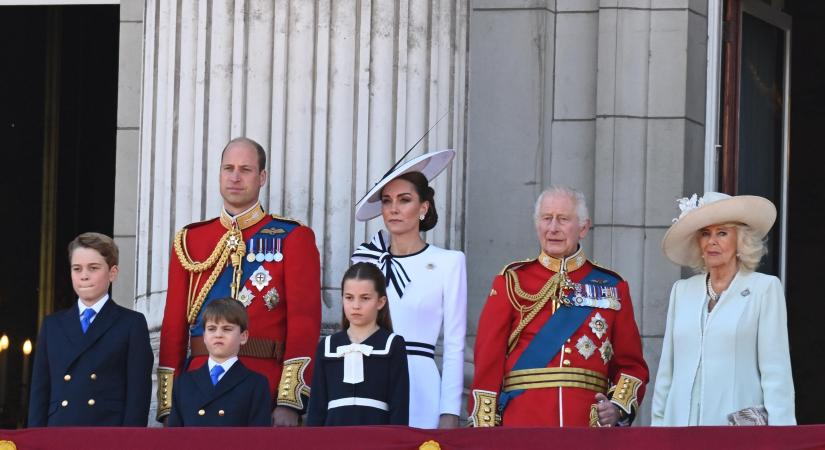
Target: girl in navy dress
(360,375)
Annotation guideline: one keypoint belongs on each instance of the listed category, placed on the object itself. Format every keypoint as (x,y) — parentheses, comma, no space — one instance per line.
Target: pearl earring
(421,217)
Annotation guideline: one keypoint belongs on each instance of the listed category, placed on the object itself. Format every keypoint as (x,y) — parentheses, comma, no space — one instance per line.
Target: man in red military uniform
(268,263)
(557,343)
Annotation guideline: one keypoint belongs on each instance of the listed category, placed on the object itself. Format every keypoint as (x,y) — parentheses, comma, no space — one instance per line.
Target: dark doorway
(806,208)
(58,105)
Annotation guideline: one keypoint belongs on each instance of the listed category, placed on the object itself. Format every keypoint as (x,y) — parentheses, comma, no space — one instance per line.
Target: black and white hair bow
(377,252)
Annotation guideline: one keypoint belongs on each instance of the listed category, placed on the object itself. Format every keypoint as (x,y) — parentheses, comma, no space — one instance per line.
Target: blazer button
(64,403)
(67,377)
(93,377)
(91,402)
(221,413)
(201,412)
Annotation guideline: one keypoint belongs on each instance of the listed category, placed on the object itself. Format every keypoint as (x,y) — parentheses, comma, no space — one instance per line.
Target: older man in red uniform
(268,263)
(557,343)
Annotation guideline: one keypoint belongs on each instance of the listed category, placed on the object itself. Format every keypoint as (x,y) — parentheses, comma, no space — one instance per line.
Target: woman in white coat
(725,356)
(426,286)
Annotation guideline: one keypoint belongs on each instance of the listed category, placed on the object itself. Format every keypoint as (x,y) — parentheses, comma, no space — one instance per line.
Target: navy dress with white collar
(360,384)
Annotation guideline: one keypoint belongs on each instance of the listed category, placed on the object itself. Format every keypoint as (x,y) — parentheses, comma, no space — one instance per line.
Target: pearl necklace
(711,293)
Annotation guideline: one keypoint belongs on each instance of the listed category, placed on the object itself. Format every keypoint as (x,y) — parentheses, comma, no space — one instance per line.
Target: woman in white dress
(426,286)
(725,356)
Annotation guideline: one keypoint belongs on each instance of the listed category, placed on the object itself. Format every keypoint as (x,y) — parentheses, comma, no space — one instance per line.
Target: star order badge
(586,346)
(606,350)
(271,299)
(598,325)
(260,278)
(245,297)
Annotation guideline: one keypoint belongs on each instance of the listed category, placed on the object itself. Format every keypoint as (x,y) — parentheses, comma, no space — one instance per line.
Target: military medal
(271,299)
(586,347)
(260,278)
(269,256)
(245,297)
(251,255)
(278,256)
(598,325)
(260,255)
(606,350)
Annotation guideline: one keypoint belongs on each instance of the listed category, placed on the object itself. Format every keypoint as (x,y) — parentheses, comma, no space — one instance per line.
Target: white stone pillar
(335,90)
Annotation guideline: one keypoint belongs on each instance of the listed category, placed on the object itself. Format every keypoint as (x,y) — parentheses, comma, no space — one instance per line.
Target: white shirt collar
(226,365)
(97,306)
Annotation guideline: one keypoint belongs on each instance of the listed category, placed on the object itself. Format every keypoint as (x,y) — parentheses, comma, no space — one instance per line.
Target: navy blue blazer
(100,378)
(240,399)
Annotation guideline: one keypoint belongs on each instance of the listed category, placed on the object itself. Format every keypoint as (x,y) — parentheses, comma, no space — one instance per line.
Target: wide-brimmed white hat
(429,164)
(679,243)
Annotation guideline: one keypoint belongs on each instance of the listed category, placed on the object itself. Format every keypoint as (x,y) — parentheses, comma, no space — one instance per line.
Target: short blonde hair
(750,249)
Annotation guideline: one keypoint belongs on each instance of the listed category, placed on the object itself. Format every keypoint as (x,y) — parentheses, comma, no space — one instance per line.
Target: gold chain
(230,244)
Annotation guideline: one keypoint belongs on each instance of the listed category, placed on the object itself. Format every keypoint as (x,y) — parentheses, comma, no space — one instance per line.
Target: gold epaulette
(288,219)
(164,394)
(515,265)
(293,386)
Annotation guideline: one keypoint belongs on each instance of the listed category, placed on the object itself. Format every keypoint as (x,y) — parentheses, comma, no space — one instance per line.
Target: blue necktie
(215,373)
(86,319)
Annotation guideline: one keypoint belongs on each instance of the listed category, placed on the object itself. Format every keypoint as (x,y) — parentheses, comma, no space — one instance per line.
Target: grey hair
(575,195)
(750,249)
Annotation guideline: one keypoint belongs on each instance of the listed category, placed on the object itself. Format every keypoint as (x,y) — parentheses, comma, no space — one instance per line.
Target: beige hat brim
(679,243)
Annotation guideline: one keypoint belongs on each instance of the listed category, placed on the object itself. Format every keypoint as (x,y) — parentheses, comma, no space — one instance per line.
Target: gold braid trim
(231,244)
(552,290)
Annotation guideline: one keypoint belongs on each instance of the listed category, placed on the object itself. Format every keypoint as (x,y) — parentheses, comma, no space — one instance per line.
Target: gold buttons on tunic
(487,401)
(566,362)
(93,377)
(91,402)
(67,377)
(221,413)
(567,350)
(201,412)
(487,410)
(64,403)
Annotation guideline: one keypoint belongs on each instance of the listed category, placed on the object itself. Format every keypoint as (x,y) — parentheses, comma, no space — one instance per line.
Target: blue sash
(547,343)
(221,288)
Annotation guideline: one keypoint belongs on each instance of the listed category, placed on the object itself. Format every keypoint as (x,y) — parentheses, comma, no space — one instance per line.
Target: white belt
(358,401)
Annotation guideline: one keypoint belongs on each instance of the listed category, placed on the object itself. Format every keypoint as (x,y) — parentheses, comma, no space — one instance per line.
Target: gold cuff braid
(165,383)
(625,393)
(484,409)
(292,385)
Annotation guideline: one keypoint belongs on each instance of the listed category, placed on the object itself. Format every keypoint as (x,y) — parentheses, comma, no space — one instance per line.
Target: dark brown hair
(100,242)
(227,309)
(258,148)
(425,194)
(370,272)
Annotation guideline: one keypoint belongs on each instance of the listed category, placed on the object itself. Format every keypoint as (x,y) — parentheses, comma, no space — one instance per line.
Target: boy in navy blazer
(93,361)
(223,392)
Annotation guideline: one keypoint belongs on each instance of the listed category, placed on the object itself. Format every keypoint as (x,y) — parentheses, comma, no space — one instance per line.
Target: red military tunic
(604,354)
(282,297)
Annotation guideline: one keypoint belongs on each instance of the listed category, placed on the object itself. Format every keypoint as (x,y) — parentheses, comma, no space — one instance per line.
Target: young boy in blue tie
(93,361)
(223,392)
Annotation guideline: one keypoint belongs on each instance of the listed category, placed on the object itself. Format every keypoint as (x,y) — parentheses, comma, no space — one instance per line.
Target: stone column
(335,90)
